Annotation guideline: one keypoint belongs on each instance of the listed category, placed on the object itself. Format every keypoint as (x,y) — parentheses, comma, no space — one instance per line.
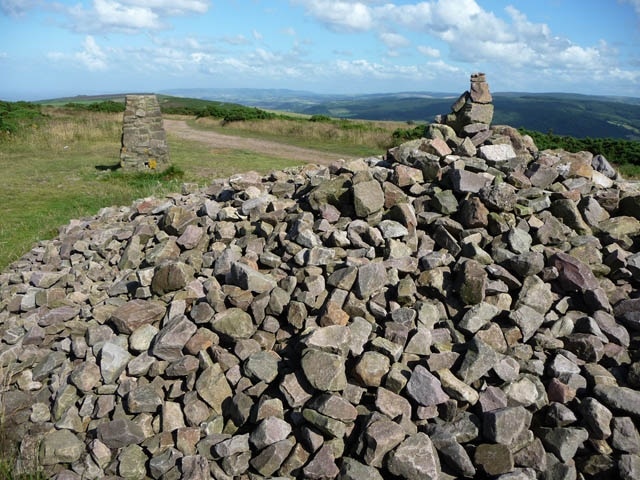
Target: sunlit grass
(347,137)
(66,169)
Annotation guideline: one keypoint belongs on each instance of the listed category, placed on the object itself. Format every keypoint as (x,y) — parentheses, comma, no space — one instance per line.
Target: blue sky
(77,47)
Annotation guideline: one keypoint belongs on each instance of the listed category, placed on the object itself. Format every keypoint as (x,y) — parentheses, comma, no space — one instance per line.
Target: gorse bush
(17,115)
(230,112)
(108,106)
(405,134)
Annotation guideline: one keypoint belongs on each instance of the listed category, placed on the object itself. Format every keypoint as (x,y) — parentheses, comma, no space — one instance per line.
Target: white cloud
(429,51)
(111,15)
(341,15)
(394,40)
(4,55)
(171,7)
(257,35)
(131,16)
(92,55)
(474,35)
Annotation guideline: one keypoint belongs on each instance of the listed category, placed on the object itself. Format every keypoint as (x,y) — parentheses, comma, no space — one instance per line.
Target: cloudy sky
(53,48)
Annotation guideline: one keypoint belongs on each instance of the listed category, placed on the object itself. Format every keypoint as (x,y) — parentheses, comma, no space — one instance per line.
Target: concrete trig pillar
(144,141)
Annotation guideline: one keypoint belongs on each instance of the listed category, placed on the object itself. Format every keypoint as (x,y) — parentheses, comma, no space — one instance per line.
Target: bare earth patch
(220,141)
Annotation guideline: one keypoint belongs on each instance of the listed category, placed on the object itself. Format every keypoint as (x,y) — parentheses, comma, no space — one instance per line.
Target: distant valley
(574,115)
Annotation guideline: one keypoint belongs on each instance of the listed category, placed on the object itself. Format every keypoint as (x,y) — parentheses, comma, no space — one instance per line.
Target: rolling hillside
(579,116)
(560,113)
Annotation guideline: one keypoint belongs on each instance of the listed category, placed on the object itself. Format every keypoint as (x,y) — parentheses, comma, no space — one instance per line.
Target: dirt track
(219,140)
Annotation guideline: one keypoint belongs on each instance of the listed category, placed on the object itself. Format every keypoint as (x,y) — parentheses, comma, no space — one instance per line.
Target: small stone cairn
(464,307)
(144,142)
(473,111)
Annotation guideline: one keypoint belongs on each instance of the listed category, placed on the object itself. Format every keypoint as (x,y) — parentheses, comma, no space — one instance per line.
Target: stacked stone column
(144,142)
(474,109)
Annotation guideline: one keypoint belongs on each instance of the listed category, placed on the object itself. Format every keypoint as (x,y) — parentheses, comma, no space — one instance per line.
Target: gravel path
(219,140)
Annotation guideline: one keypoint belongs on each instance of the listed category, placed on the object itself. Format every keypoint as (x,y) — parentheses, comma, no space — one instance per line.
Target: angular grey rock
(234,323)
(368,198)
(269,431)
(171,339)
(625,436)
(143,399)
(564,441)
(371,368)
(353,470)
(161,464)
(171,276)
(472,282)
(465,181)
(597,418)
(269,460)
(425,388)
(497,153)
(113,361)
(379,438)
(330,427)
(135,314)
(528,320)
(120,433)
(324,371)
(478,360)
(623,399)
(250,279)
(505,425)
(415,458)
(213,387)
(262,366)
(629,466)
(60,446)
(333,339)
(371,278)
(132,463)
(499,197)
(322,465)
(195,467)
(453,454)
(494,459)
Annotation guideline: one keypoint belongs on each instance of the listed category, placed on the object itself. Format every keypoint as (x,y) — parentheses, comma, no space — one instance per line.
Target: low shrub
(17,115)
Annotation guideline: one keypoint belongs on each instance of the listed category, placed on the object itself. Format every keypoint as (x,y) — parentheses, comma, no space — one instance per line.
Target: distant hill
(569,114)
(560,113)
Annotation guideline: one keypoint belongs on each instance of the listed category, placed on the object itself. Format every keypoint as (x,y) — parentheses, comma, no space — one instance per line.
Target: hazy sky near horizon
(83,47)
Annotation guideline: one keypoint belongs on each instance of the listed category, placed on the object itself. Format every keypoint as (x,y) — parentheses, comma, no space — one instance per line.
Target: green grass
(66,170)
(344,137)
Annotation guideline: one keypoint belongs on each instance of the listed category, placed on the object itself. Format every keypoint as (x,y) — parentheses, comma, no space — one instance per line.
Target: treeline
(14,115)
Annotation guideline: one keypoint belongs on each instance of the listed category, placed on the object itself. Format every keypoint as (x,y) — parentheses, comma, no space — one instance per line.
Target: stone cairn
(144,142)
(463,307)
(473,111)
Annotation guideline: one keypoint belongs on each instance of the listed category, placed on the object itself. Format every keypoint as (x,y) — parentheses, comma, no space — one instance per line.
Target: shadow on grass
(108,168)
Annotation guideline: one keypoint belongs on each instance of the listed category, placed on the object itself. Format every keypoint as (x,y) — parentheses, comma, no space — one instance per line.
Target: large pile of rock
(459,309)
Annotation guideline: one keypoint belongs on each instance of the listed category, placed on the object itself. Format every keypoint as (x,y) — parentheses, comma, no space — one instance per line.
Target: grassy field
(65,168)
(351,137)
